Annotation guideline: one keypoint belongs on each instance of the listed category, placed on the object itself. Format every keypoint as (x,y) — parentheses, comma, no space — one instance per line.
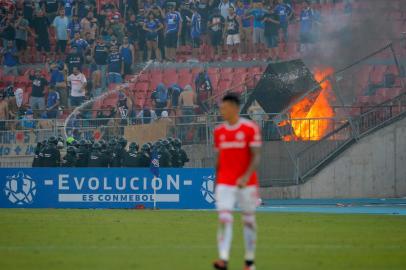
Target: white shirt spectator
(77,85)
(224,6)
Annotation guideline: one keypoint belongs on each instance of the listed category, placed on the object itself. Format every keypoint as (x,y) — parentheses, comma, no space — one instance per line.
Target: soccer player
(238,143)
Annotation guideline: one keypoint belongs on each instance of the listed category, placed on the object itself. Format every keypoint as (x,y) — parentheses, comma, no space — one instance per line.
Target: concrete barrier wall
(375,167)
(276,166)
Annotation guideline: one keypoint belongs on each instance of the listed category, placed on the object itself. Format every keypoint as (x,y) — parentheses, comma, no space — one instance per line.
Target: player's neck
(233,121)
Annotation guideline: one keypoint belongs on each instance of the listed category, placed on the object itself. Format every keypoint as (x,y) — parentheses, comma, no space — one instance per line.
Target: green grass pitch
(183,240)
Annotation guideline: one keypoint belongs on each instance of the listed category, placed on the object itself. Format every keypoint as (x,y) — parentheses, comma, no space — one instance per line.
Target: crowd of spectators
(114,153)
(87,45)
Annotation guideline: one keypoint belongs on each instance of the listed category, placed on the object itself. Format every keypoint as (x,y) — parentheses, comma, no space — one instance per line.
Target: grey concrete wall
(16,161)
(276,166)
(375,167)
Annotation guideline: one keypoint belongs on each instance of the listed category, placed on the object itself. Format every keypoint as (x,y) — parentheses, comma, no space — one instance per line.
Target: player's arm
(216,153)
(256,158)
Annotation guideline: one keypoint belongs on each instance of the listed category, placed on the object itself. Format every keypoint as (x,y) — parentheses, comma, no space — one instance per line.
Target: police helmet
(165,143)
(112,142)
(75,143)
(133,146)
(122,141)
(97,146)
(146,147)
(52,140)
(102,143)
(178,142)
(71,149)
(82,143)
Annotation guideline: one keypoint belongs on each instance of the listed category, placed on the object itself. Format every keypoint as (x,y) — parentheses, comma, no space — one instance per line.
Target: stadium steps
(381,119)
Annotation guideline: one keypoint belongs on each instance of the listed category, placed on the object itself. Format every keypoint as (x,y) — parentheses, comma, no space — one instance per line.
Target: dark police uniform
(117,156)
(143,159)
(51,157)
(82,156)
(183,157)
(97,159)
(69,160)
(36,160)
(164,158)
(130,159)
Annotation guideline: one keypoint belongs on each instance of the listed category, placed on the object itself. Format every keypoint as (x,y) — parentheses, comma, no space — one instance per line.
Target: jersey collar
(235,126)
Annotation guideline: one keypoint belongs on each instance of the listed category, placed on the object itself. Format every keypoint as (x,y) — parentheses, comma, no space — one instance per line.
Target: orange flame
(307,127)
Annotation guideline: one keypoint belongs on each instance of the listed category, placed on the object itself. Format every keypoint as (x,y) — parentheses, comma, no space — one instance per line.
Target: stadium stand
(113,22)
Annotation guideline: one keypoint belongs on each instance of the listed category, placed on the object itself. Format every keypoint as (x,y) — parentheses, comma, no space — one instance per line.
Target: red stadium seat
(240,70)
(393,92)
(184,72)
(227,76)
(22,81)
(213,70)
(142,87)
(366,100)
(143,77)
(223,86)
(156,75)
(27,95)
(170,79)
(8,79)
(227,70)
(185,79)
(293,51)
(377,73)
(169,73)
(392,69)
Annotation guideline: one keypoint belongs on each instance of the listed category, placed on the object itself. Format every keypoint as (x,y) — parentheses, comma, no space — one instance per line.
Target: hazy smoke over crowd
(345,38)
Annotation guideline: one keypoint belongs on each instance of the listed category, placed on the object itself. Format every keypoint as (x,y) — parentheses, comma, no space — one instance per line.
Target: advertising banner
(106,188)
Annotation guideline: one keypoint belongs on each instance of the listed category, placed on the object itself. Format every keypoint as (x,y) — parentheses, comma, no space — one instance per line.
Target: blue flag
(154,166)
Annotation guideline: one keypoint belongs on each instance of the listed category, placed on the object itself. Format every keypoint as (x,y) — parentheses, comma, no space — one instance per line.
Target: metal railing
(357,120)
(380,115)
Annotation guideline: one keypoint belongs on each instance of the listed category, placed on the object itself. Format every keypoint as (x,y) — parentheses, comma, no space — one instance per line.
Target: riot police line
(114,153)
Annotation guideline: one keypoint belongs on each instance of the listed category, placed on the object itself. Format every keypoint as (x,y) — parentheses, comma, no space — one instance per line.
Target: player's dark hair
(233,98)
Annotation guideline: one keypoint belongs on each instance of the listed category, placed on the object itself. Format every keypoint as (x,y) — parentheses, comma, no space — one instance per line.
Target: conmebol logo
(20,189)
(207,188)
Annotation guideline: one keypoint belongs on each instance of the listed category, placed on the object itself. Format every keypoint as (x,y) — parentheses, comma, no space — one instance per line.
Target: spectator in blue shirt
(152,26)
(68,6)
(10,59)
(115,66)
(173,25)
(258,37)
(160,98)
(246,29)
(80,44)
(61,24)
(82,8)
(128,54)
(28,121)
(52,103)
(74,26)
(196,31)
(59,82)
(284,11)
(306,24)
(348,7)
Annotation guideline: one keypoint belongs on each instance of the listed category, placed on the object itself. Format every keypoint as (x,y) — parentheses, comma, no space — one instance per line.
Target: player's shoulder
(249,124)
(220,127)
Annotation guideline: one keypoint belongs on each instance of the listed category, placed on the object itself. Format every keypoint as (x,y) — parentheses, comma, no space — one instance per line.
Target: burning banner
(309,118)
